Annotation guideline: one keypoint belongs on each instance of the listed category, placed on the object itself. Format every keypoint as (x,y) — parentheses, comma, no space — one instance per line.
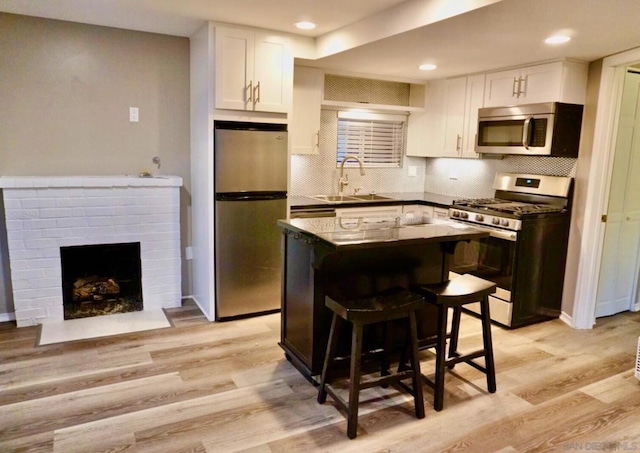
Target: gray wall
(65,91)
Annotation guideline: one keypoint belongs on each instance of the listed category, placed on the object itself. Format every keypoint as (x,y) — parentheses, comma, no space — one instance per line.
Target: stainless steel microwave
(544,129)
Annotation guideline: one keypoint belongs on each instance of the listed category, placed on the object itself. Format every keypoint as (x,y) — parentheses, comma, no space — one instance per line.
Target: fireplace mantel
(45,213)
(44,182)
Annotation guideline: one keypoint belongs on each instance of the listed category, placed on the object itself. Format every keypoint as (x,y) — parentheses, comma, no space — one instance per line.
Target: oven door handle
(497,233)
(506,235)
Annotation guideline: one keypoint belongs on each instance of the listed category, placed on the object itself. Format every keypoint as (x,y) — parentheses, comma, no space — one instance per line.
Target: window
(377,139)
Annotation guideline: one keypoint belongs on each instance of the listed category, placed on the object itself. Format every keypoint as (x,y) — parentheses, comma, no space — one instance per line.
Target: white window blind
(377,139)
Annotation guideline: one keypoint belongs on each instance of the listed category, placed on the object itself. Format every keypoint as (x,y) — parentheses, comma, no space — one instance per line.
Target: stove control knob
(495,221)
(479,218)
(504,222)
(455,213)
(464,215)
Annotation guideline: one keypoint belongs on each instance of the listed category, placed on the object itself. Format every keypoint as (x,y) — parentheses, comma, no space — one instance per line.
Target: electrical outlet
(413,170)
(133,114)
(188,253)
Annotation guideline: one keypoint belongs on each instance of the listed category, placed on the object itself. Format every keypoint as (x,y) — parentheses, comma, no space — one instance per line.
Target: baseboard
(204,312)
(565,318)
(6,317)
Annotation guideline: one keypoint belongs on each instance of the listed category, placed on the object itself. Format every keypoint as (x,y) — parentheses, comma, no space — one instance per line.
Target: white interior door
(619,271)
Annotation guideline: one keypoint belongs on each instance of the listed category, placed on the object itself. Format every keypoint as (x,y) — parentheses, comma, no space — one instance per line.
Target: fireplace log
(94,288)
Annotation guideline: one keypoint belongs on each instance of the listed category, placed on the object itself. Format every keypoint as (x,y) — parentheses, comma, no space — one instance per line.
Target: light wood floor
(222,387)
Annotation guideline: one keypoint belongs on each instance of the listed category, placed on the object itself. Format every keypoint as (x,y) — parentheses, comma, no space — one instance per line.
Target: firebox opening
(102,279)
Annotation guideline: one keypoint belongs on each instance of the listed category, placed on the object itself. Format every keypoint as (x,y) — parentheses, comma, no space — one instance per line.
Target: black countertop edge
(329,230)
(428,198)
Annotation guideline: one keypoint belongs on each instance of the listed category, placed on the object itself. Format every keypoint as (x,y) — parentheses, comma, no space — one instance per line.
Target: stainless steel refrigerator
(250,181)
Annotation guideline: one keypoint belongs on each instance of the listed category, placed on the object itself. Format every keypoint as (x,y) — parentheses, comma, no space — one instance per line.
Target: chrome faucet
(344,179)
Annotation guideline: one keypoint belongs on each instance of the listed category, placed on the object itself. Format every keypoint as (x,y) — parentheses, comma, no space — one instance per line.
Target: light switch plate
(133,114)
(413,170)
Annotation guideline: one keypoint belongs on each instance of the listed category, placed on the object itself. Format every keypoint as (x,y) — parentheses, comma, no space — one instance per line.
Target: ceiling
(387,37)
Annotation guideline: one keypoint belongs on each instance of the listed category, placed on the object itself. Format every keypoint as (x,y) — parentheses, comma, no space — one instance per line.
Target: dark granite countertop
(360,232)
(301,202)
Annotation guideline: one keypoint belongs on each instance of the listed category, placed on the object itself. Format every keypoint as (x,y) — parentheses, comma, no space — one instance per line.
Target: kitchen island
(356,257)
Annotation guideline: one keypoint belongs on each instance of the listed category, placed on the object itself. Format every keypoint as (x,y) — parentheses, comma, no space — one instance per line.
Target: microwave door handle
(525,132)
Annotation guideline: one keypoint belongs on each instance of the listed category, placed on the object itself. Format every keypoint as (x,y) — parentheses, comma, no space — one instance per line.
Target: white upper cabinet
(452,116)
(419,127)
(559,81)
(474,100)
(425,135)
(304,125)
(454,120)
(253,70)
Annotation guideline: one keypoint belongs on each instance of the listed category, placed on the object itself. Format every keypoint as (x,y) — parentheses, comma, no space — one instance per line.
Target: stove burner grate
(479,202)
(497,205)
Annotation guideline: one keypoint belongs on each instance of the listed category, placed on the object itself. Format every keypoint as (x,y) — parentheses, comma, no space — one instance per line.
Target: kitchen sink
(350,198)
(334,198)
(370,197)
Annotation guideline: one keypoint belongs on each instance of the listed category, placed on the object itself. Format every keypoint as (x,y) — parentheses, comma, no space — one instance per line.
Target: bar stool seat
(384,307)
(455,293)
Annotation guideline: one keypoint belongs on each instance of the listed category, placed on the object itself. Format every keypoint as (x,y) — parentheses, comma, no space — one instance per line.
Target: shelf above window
(338,105)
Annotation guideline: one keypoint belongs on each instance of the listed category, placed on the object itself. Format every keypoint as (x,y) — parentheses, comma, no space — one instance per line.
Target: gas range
(528,222)
(499,212)
(517,198)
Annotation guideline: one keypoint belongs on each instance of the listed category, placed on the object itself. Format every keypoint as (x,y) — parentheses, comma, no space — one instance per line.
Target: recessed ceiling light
(305,25)
(558,39)
(427,67)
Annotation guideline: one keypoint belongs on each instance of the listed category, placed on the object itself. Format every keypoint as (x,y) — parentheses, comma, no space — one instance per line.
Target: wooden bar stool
(455,293)
(385,307)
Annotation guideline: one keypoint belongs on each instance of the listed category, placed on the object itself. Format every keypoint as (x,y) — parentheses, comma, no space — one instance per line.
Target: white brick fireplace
(44,214)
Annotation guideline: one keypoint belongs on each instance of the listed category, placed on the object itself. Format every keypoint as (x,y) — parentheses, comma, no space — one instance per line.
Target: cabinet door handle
(514,90)
(250,92)
(458,140)
(317,145)
(256,97)
(522,85)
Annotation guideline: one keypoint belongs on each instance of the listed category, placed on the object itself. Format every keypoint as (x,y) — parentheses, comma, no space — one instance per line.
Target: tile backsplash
(473,178)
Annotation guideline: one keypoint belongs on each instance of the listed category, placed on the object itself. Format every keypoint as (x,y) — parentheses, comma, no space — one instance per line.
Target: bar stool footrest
(466,358)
